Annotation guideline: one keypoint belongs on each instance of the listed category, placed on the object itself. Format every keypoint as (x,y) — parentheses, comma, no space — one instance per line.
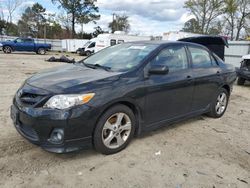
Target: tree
(236,13)
(192,26)
(230,10)
(216,28)
(243,14)
(119,23)
(98,30)
(82,11)
(64,20)
(205,12)
(2,26)
(33,21)
(11,6)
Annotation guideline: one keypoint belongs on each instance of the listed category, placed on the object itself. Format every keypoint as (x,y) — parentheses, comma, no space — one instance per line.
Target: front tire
(241,81)
(219,104)
(7,49)
(114,130)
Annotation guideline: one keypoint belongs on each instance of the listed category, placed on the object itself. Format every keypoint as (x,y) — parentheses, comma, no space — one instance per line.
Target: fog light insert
(57,135)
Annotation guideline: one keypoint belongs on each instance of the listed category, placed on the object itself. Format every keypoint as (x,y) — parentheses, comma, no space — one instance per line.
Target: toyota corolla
(106,99)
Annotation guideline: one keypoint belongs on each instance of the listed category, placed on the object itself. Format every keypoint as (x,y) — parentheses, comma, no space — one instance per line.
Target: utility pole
(114,22)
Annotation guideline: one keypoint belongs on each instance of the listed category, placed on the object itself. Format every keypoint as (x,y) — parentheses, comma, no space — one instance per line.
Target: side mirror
(158,69)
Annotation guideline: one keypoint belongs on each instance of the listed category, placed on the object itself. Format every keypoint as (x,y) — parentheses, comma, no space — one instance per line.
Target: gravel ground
(201,152)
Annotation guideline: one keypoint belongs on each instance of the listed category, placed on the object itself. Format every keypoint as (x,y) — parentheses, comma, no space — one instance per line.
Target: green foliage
(98,30)
(233,16)
(32,21)
(81,11)
(120,23)
(205,12)
(192,26)
(8,28)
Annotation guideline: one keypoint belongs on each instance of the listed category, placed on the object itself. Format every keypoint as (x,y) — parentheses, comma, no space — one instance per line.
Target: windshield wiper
(95,66)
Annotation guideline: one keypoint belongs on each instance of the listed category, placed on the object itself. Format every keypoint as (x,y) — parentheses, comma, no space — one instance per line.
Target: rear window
(200,58)
(28,40)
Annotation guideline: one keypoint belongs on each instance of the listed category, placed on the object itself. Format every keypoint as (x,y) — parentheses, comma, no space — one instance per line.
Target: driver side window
(19,40)
(174,57)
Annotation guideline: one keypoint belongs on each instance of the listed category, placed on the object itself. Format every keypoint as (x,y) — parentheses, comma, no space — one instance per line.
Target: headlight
(67,101)
(1,45)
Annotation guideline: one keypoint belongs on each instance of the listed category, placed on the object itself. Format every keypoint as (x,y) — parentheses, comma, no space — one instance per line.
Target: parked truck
(24,44)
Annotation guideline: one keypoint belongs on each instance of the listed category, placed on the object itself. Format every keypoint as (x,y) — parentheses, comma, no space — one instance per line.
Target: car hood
(72,78)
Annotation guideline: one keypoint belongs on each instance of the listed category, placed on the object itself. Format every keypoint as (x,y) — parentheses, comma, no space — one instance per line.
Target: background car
(243,72)
(24,44)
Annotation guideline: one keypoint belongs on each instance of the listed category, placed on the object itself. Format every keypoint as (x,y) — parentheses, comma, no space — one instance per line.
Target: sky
(146,17)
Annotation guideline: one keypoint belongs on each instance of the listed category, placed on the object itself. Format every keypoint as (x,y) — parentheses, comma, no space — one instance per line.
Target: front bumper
(37,124)
(243,74)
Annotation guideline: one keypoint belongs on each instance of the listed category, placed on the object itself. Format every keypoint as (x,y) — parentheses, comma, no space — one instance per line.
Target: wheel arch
(135,109)
(227,87)
(7,45)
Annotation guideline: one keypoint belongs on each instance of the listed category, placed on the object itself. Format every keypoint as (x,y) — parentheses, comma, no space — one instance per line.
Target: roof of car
(159,42)
(162,42)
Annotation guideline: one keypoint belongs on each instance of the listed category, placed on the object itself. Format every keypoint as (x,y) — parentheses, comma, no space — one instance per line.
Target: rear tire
(219,104)
(41,51)
(7,49)
(114,130)
(241,81)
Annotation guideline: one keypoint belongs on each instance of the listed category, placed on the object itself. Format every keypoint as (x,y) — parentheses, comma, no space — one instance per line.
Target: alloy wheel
(116,130)
(221,103)
(42,51)
(7,49)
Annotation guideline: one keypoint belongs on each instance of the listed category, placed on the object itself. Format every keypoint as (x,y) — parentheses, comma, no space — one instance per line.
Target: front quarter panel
(129,88)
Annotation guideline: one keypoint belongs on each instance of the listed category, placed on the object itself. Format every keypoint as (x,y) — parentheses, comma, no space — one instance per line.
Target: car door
(206,74)
(169,96)
(19,44)
(28,45)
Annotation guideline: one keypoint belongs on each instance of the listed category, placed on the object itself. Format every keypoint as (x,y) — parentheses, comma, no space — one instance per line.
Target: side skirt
(153,126)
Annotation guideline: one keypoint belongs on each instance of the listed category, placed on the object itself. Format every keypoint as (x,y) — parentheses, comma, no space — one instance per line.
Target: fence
(236,50)
(233,54)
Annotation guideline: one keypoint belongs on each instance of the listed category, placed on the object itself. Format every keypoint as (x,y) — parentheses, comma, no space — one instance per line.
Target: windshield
(122,57)
(86,44)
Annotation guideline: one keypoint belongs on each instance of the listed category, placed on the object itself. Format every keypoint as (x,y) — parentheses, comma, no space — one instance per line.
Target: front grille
(29,99)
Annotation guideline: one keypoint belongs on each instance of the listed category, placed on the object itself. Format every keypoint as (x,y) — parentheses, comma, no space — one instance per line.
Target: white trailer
(71,45)
(105,40)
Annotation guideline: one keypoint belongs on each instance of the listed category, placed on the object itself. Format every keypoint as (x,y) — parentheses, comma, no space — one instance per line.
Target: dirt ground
(201,152)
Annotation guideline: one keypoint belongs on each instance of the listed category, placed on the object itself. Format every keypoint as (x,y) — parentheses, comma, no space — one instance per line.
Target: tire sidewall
(240,81)
(213,110)
(5,48)
(40,50)
(88,53)
(97,138)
